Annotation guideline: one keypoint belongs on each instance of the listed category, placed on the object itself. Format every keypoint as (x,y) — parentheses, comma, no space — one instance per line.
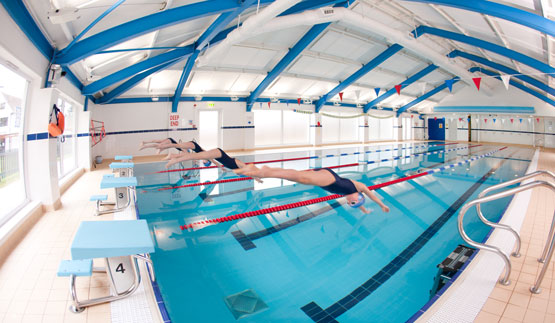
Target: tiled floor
(31,292)
(515,303)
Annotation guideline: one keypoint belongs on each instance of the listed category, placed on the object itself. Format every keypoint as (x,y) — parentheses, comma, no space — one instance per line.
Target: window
(13,91)
(65,152)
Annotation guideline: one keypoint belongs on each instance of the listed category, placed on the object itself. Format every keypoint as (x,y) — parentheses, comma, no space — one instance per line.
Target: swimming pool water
(324,262)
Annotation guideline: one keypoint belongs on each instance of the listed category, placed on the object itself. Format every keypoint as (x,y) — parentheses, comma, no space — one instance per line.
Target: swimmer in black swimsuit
(214,154)
(323,177)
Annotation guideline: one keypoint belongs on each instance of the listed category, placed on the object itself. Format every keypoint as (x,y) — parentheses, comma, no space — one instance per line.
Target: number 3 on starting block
(121,272)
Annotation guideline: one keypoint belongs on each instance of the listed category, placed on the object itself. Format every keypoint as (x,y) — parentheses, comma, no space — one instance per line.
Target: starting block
(121,244)
(123,187)
(125,169)
(123,158)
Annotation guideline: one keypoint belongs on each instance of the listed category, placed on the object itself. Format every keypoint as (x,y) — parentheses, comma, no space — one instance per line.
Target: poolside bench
(121,244)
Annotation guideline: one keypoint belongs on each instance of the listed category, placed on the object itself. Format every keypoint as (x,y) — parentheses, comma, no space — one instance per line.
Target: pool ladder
(548,249)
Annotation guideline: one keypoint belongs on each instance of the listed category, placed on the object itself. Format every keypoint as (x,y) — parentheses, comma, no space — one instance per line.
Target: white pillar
(366,127)
(40,150)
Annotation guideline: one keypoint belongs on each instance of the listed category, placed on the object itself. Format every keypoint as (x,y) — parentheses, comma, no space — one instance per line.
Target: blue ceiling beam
(297,49)
(82,33)
(405,83)
(125,86)
(509,13)
(524,59)
(219,24)
(502,68)
(21,16)
(72,78)
(136,68)
(307,39)
(183,79)
(425,96)
(213,30)
(515,84)
(118,34)
(358,74)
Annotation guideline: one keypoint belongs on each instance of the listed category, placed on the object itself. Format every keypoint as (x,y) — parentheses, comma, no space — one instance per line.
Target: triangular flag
(520,120)
(512,120)
(486,120)
(538,120)
(477,81)
(260,105)
(357,93)
(460,119)
(341,96)
(449,84)
(493,120)
(299,101)
(269,104)
(506,79)
(398,88)
(435,118)
(411,116)
(377,90)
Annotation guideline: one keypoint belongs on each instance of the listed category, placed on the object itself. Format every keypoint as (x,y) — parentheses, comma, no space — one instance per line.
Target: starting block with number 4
(121,243)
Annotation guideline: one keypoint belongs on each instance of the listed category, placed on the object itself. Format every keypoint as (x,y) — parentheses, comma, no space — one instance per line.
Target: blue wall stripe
(237,127)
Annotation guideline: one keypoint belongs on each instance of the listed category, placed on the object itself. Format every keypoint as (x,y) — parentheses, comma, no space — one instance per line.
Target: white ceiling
(335,55)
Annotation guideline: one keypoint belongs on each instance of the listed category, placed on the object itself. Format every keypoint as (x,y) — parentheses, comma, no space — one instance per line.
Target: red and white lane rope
(327,198)
(303,158)
(244,178)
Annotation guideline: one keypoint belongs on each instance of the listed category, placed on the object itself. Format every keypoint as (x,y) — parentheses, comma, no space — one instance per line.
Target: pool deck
(31,292)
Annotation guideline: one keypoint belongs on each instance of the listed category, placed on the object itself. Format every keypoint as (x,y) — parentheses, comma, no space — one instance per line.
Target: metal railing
(548,249)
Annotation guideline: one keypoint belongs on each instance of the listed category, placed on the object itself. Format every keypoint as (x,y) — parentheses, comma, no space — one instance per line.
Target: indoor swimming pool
(323,262)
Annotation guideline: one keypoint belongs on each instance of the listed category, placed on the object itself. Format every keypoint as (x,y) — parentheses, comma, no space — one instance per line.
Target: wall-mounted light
(234,98)
(198,98)
(155,98)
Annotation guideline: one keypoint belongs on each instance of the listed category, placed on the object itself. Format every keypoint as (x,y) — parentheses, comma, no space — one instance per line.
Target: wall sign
(174,120)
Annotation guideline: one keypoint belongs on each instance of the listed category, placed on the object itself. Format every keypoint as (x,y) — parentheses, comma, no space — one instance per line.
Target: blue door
(436,129)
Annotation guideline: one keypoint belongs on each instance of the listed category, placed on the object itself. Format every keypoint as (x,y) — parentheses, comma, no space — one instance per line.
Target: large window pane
(13,90)
(66,147)
(330,130)
(295,127)
(267,127)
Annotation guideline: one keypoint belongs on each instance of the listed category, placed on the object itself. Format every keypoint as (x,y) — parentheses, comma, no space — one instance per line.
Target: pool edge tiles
(439,308)
(164,315)
(329,314)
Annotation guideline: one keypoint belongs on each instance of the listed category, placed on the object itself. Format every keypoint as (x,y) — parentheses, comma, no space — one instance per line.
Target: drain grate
(245,303)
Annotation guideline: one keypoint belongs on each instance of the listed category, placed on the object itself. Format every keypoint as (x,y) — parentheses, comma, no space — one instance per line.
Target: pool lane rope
(302,158)
(329,197)
(246,178)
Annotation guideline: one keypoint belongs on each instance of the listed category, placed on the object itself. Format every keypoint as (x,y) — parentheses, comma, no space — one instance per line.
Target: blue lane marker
(318,314)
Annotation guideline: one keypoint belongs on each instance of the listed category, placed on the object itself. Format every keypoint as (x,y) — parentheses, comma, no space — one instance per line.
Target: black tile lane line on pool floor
(317,314)
(246,240)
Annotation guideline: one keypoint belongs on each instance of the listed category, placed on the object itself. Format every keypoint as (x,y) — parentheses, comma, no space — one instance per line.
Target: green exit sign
(211,104)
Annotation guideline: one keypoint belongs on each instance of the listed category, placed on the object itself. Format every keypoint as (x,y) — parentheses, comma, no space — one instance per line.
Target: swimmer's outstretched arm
(364,189)
(208,154)
(320,178)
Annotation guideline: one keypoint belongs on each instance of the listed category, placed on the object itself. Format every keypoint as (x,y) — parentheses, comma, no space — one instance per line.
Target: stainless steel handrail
(516,252)
(505,279)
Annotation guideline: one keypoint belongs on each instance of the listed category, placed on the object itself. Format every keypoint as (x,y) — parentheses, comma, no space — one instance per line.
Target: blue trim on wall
(485,109)
(511,131)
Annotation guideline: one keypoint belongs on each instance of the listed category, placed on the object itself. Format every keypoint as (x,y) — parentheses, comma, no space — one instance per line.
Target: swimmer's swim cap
(359,202)
(207,163)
